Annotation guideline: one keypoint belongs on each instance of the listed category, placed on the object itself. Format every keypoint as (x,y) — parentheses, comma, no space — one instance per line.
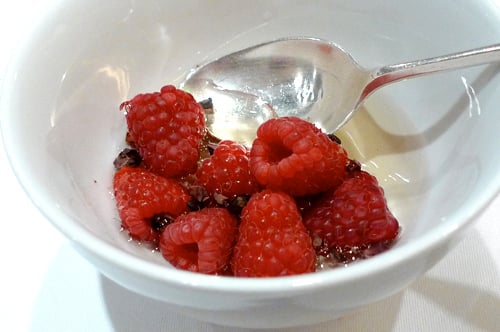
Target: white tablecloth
(46,286)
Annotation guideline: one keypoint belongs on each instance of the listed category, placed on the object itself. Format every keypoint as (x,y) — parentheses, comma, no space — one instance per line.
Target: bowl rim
(285,286)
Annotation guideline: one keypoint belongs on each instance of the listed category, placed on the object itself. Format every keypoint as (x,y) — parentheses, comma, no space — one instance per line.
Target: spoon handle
(392,73)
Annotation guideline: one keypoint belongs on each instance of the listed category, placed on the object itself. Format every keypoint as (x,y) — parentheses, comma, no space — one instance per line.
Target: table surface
(47,286)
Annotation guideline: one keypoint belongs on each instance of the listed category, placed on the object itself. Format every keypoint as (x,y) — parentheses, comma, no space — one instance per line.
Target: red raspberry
(292,155)
(272,240)
(353,215)
(141,196)
(200,241)
(167,128)
(227,171)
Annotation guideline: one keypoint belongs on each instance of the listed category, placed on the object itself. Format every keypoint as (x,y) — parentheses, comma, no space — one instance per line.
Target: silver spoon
(305,77)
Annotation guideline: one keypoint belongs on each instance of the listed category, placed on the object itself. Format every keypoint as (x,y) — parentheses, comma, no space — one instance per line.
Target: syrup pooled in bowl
(236,114)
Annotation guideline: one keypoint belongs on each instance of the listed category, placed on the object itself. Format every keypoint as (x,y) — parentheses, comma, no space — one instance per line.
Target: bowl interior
(430,141)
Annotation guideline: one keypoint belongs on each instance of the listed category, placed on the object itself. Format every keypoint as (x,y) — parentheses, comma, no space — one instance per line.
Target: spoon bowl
(310,78)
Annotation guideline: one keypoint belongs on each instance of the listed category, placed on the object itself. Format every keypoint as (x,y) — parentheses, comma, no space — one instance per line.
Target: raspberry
(292,155)
(272,240)
(353,215)
(167,128)
(143,198)
(227,171)
(200,241)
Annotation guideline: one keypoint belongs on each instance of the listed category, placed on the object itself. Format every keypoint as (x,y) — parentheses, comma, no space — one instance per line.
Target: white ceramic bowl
(432,142)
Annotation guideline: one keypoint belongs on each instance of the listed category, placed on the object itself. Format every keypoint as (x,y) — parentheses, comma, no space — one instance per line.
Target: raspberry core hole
(278,152)
(190,252)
